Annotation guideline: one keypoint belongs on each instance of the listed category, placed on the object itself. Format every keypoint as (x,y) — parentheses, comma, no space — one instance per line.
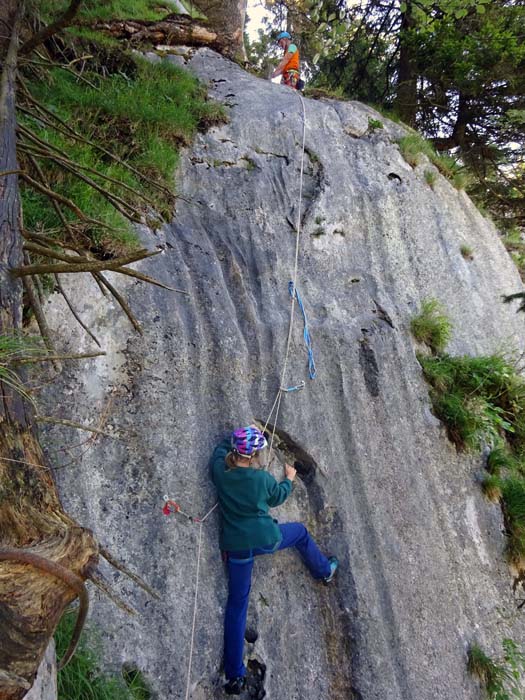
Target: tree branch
(120,300)
(47,32)
(88,266)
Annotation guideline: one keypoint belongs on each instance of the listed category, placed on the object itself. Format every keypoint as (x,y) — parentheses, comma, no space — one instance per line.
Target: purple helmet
(247,441)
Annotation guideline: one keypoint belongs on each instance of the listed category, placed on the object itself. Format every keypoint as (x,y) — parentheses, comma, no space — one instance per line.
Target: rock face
(45,685)
(422,572)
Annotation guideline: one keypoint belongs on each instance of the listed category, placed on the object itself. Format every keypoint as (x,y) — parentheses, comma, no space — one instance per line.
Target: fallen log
(173,30)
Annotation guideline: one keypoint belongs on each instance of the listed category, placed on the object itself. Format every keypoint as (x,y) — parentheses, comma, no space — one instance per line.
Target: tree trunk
(44,555)
(405,103)
(227,17)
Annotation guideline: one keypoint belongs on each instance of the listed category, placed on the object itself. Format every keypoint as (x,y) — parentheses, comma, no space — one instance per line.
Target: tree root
(68,577)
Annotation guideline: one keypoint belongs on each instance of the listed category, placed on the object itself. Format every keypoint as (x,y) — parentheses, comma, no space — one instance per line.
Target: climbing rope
(172,506)
(306,333)
(294,295)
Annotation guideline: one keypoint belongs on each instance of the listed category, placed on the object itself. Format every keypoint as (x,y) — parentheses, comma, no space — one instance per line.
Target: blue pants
(240,565)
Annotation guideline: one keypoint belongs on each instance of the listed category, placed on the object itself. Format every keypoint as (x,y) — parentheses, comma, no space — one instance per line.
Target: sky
(256,12)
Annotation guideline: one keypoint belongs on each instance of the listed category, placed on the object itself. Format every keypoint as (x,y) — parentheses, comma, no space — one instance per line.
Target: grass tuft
(515,245)
(412,145)
(12,348)
(432,326)
(83,679)
(503,680)
(481,401)
(374,125)
(144,114)
(467,252)
(430,177)
(501,460)
(491,487)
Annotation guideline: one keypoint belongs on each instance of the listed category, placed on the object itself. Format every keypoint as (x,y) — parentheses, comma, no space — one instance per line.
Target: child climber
(289,65)
(245,493)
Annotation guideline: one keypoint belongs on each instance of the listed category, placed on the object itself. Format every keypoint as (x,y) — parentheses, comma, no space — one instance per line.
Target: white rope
(194,623)
(277,401)
(281,389)
(194,611)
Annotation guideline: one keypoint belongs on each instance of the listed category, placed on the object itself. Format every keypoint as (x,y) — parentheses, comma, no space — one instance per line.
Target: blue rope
(306,332)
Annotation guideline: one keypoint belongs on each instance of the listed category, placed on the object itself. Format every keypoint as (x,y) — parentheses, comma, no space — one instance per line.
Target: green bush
(432,326)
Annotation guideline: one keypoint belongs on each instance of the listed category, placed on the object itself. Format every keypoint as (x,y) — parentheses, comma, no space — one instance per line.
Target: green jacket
(245,494)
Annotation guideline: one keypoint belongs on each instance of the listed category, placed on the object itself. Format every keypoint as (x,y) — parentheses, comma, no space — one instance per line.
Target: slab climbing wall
(422,568)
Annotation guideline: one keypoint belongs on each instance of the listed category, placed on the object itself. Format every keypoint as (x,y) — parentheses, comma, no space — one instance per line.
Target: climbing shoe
(334,565)
(235,686)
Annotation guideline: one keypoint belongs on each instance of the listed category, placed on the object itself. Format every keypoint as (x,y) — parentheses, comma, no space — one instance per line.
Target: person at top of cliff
(289,65)
(246,492)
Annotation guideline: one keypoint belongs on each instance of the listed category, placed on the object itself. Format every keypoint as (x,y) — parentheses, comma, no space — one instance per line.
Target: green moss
(431,326)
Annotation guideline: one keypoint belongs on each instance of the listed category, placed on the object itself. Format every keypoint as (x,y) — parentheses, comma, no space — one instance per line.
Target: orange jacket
(293,63)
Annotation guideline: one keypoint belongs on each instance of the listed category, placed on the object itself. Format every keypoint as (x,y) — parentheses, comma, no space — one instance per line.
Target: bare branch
(121,567)
(73,424)
(34,302)
(100,582)
(47,32)
(72,309)
(50,358)
(87,266)
(120,301)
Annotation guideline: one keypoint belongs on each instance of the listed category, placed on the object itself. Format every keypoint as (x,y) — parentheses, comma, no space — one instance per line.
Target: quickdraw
(171,506)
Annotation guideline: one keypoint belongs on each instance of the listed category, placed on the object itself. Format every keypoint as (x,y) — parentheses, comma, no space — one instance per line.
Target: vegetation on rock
(431,326)
(481,401)
(503,679)
(83,678)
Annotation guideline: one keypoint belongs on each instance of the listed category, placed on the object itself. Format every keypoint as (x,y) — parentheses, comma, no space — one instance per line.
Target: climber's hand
(290,472)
